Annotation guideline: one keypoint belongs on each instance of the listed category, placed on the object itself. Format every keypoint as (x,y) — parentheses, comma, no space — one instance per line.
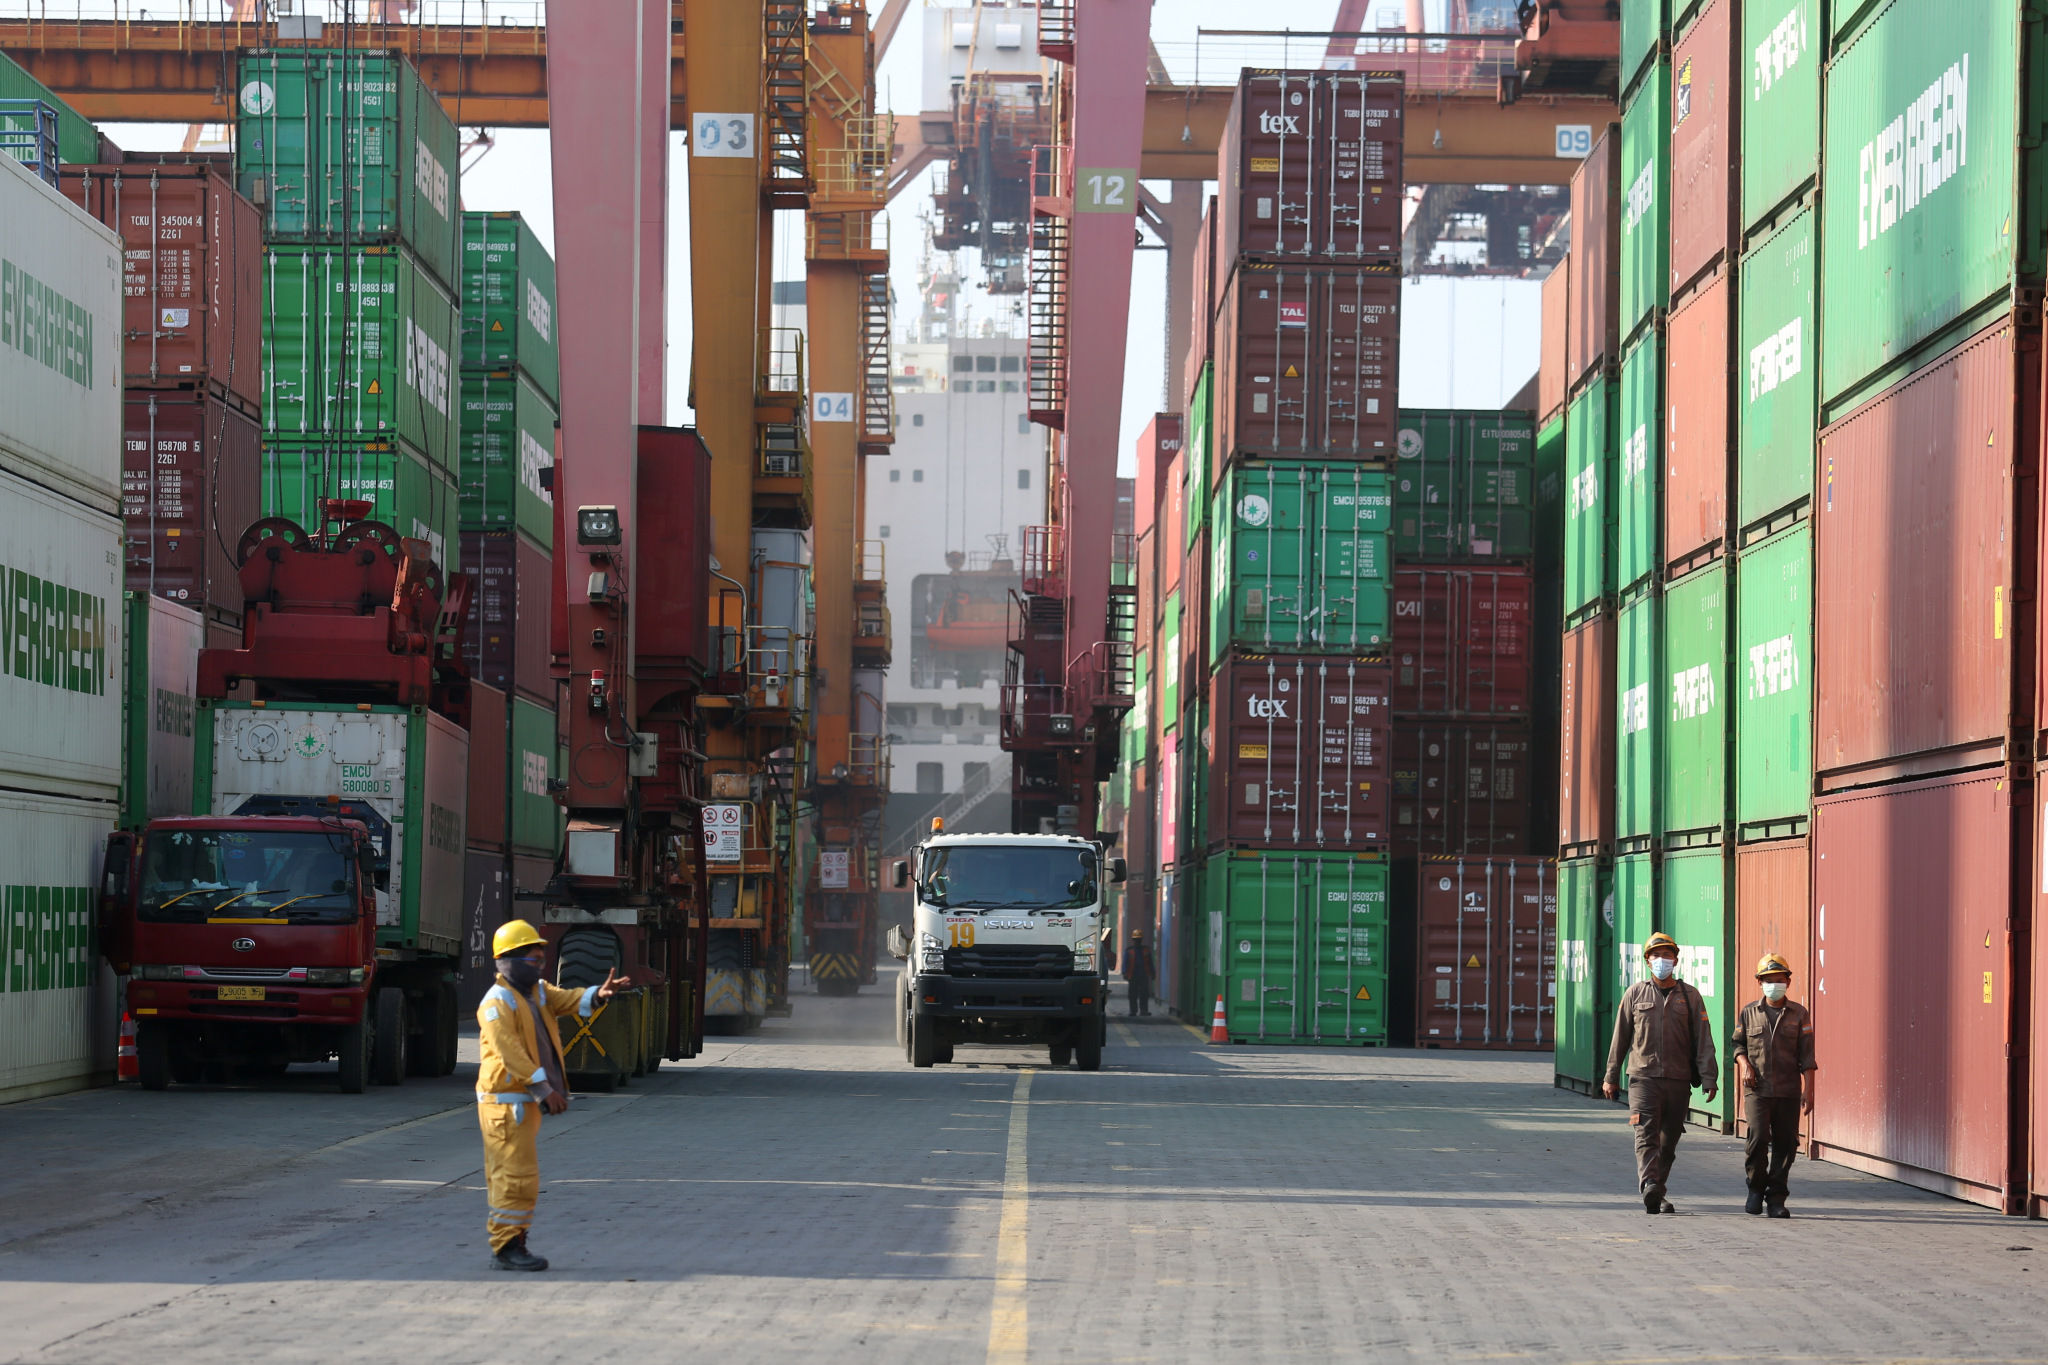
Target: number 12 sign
(1111,190)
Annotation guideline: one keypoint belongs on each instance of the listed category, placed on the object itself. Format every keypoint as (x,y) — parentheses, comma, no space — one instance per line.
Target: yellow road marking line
(1124,1034)
(1008,1326)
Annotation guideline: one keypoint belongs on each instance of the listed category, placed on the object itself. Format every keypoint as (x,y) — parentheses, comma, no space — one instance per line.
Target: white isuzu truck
(1004,946)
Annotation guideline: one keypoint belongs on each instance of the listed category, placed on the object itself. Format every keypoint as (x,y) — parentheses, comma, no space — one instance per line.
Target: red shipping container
(192,279)
(1461,789)
(1585,751)
(672,640)
(1310,167)
(1302,753)
(1462,641)
(1919,894)
(1773,914)
(1706,97)
(1595,284)
(1698,392)
(1553,384)
(1201,287)
(490,729)
(1916,586)
(189,488)
(1486,938)
(507,644)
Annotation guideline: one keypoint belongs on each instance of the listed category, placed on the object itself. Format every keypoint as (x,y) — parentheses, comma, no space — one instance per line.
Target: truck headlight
(1084,957)
(930,943)
(151,971)
(334,976)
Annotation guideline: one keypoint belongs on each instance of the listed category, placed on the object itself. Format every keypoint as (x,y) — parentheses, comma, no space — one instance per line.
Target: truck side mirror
(117,886)
(1117,871)
(899,873)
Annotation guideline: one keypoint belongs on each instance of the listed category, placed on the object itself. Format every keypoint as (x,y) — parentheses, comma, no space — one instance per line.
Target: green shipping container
(508,301)
(1464,486)
(349,149)
(359,344)
(1933,212)
(1774,709)
(1169,671)
(78,140)
(1777,417)
(1589,500)
(1547,506)
(536,823)
(1195,442)
(1781,118)
(405,492)
(1639,506)
(508,442)
(1646,201)
(1638,723)
(1636,878)
(1645,27)
(1299,559)
(1697,912)
(1694,699)
(1585,905)
(1304,946)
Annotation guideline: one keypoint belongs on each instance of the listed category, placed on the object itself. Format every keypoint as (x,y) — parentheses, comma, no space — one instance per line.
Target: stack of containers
(1295,410)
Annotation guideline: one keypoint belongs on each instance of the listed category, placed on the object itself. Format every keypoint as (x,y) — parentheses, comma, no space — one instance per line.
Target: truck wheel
(902,1009)
(354,1049)
(450,1034)
(1088,1055)
(388,1049)
(924,1042)
(1062,1053)
(423,1047)
(944,1052)
(153,1054)
(188,1056)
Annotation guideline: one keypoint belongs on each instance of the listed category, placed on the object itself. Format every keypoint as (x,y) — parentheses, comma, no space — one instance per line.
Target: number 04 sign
(1105,191)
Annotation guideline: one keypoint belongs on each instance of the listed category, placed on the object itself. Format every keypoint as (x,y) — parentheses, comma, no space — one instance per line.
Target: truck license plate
(241,992)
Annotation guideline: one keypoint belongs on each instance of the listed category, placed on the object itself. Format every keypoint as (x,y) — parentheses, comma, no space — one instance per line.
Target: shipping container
(1638,887)
(1695,702)
(490,795)
(1706,73)
(1773,914)
(1197,481)
(1698,385)
(1697,912)
(1939,210)
(1645,29)
(1589,526)
(1781,119)
(349,149)
(1299,559)
(487,903)
(57,1001)
(508,301)
(1464,486)
(1585,763)
(1596,258)
(358,345)
(1203,288)
(1487,956)
(404,492)
(1304,747)
(1170,656)
(157,702)
(60,337)
(1307,363)
(1920,512)
(1646,201)
(1778,415)
(1462,789)
(1639,506)
(1463,641)
(1585,952)
(192,275)
(1774,703)
(62,642)
(1310,168)
(1915,890)
(536,821)
(508,455)
(189,488)
(1639,721)
(1304,945)
(1552,384)
(78,140)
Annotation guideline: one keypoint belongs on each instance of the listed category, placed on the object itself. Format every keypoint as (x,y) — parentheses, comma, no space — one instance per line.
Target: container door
(1347,974)
(1456,939)
(1352,514)
(1263,897)
(1695,774)
(1525,991)
(1357,375)
(1645,200)
(1638,721)
(1639,521)
(1775,401)
(1696,913)
(1774,697)
(1583,952)
(1267,571)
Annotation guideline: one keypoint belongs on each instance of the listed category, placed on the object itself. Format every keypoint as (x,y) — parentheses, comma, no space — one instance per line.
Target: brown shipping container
(1303,753)
(1461,789)
(490,728)
(1595,284)
(1773,914)
(1358,383)
(1698,388)
(1463,641)
(189,488)
(1486,937)
(1706,98)
(1585,751)
(508,636)
(1915,891)
(1553,385)
(1201,287)
(192,278)
(1306,363)
(1917,591)
(1310,167)
(487,903)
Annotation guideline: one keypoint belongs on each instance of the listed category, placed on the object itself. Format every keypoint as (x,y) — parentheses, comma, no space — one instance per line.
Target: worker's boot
(1653,1199)
(1777,1209)
(1756,1202)
(516,1257)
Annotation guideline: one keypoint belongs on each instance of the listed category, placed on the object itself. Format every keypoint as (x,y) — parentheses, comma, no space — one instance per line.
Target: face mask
(1774,991)
(523,975)
(1663,967)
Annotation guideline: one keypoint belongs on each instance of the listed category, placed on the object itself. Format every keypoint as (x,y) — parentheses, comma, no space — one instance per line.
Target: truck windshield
(1009,877)
(196,875)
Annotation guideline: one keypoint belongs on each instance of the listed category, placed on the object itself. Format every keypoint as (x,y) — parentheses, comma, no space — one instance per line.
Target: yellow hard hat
(514,936)
(1656,941)
(1771,963)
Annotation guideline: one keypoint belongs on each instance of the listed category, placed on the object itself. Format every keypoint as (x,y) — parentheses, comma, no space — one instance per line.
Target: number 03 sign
(1105,191)
(722,135)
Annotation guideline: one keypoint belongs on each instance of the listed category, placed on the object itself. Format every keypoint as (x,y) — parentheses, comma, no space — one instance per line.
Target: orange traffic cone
(1219,1028)
(126,1068)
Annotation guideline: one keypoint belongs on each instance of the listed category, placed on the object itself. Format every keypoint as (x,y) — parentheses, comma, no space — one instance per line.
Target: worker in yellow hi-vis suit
(520,1073)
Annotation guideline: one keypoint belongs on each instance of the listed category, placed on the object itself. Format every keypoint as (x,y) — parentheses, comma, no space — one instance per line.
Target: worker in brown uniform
(1662,1032)
(1773,1050)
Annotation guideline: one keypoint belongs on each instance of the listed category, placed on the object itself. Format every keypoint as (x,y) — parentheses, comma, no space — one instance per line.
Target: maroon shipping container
(1553,385)
(1585,750)
(673,639)
(192,282)
(1462,641)
(1172,529)
(487,903)
(1773,914)
(1706,98)
(1302,752)
(189,488)
(1919,1000)
(1595,284)
(1699,387)
(1307,363)
(1201,287)
(507,644)
(1918,593)
(1310,167)
(490,795)
(1486,948)
(1461,789)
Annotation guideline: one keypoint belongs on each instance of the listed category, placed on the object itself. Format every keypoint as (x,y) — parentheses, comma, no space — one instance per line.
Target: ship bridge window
(895,476)
(1023,478)
(985,363)
(917,419)
(984,386)
(1011,364)
(963,364)
(917,476)
(1023,424)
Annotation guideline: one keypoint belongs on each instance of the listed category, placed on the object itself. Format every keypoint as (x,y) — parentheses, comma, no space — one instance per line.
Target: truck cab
(1004,946)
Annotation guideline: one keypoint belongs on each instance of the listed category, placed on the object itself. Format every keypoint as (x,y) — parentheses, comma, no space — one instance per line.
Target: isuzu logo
(243,945)
(1006,924)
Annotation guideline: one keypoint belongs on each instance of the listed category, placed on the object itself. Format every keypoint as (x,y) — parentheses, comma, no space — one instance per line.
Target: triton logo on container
(1914,155)
(1681,97)
(1775,359)
(1635,454)
(1778,53)
(1773,667)
(1270,122)
(1692,692)
(1635,710)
